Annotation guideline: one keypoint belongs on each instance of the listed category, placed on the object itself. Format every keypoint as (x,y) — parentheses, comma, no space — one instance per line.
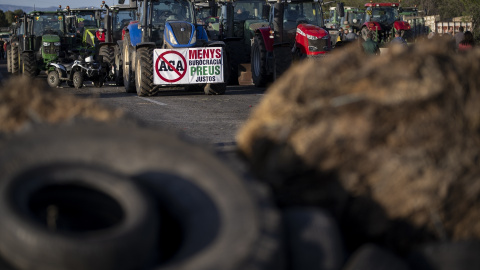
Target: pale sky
(64,3)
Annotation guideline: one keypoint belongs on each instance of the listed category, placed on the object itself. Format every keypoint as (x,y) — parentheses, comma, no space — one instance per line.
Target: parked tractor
(239,19)
(86,23)
(335,21)
(116,20)
(354,19)
(168,48)
(383,19)
(44,40)
(296,31)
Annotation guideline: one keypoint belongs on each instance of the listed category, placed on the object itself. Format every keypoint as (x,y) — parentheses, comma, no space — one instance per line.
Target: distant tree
(10,17)
(3,19)
(472,9)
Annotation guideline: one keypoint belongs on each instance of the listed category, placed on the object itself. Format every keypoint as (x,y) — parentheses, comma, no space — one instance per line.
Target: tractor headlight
(171,38)
(46,44)
(311,37)
(57,44)
(194,38)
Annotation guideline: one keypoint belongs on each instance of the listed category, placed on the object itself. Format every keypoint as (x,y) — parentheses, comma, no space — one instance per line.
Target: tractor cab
(121,16)
(384,20)
(48,35)
(86,22)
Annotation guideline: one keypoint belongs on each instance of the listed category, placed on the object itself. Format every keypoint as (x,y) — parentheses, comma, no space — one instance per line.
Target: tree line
(8,17)
(447,9)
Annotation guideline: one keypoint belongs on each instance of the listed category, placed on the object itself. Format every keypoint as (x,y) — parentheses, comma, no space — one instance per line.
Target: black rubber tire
(226,221)
(108,53)
(144,72)
(364,33)
(283,59)
(29,65)
(70,83)
(372,257)
(118,68)
(53,79)
(462,255)
(9,60)
(260,74)
(98,82)
(74,216)
(128,75)
(77,79)
(234,50)
(313,239)
(194,87)
(15,60)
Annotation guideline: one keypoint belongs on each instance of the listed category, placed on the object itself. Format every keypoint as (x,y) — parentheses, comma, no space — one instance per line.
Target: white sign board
(188,66)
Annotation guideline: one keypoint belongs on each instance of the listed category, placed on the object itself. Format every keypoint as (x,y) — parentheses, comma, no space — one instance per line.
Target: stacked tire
(96,196)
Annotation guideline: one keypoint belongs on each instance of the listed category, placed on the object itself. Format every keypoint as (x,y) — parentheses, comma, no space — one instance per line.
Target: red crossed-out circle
(162,57)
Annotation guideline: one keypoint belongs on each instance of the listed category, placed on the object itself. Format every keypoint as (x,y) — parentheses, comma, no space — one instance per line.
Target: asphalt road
(213,120)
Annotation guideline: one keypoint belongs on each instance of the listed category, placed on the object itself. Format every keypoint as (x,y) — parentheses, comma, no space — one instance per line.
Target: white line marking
(153,101)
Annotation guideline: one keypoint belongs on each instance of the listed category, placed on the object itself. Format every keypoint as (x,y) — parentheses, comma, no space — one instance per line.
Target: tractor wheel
(9,61)
(364,32)
(128,76)
(144,72)
(108,54)
(118,70)
(260,74)
(219,88)
(53,79)
(29,65)
(233,52)
(77,79)
(283,59)
(98,82)
(15,60)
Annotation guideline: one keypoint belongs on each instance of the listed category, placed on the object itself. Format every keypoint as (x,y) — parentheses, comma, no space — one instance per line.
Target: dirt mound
(24,101)
(389,144)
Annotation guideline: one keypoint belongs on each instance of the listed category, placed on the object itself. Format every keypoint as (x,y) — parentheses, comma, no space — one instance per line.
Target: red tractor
(296,31)
(384,20)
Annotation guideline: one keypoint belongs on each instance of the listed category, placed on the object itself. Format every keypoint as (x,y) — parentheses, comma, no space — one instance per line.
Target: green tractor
(86,23)
(45,40)
(239,19)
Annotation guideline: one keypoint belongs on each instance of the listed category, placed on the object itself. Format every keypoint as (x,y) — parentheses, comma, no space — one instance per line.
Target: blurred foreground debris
(389,144)
(24,101)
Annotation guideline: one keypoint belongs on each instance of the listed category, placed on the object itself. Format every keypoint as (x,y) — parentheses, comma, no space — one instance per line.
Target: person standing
(340,35)
(350,36)
(467,43)
(2,42)
(399,40)
(370,46)
(459,36)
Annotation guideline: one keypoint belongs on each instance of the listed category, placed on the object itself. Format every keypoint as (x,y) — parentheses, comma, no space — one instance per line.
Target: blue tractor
(166,48)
